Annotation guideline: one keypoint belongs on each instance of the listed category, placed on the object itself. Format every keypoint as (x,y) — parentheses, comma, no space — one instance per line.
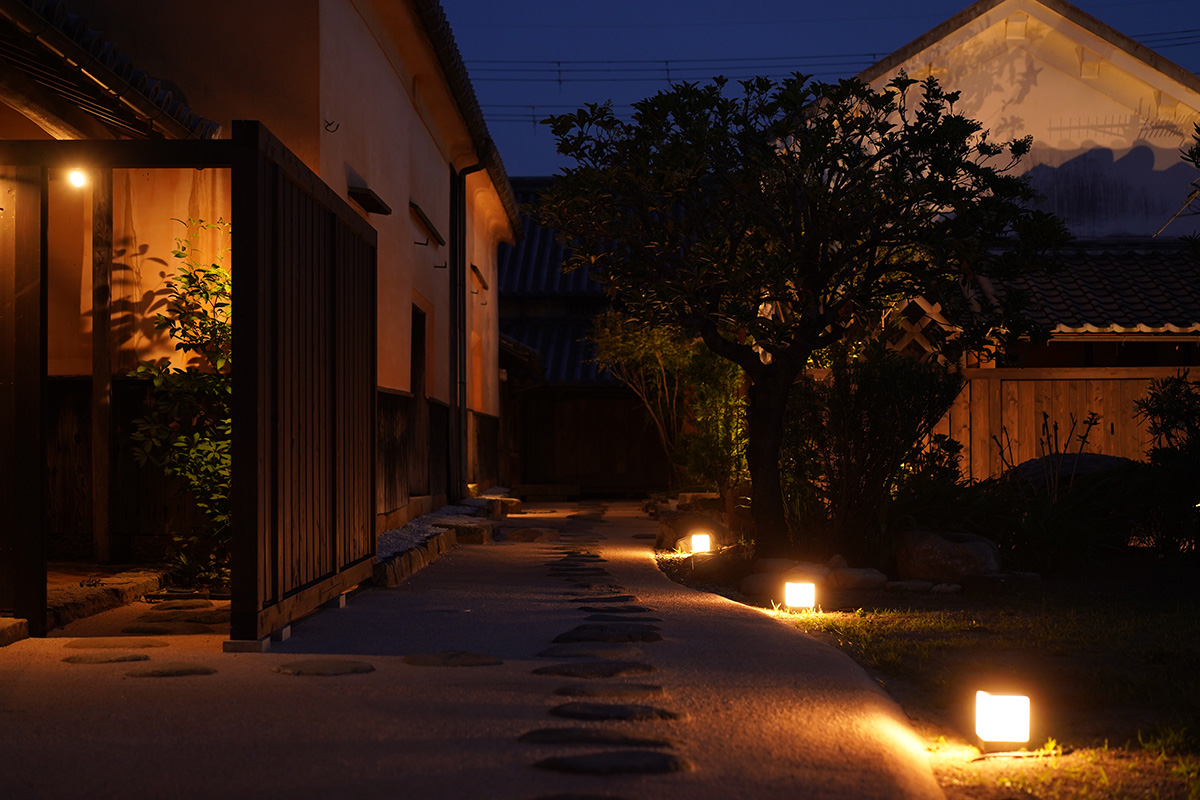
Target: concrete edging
(392,570)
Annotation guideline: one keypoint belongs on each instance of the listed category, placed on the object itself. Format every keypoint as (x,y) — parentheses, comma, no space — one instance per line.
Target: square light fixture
(1001,718)
(799,595)
(701,542)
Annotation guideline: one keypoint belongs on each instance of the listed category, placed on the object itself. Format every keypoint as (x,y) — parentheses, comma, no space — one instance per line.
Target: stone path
(568,667)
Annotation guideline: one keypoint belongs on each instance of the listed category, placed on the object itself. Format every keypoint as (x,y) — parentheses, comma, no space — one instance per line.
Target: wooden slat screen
(439,436)
(304,389)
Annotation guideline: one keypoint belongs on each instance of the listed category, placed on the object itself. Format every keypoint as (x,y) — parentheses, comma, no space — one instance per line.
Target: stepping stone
(612,598)
(181,605)
(531,535)
(167,629)
(620,618)
(170,670)
(616,609)
(105,658)
(609,690)
(114,643)
(204,616)
(452,658)
(589,736)
(607,633)
(612,587)
(626,712)
(590,650)
(627,762)
(325,667)
(595,669)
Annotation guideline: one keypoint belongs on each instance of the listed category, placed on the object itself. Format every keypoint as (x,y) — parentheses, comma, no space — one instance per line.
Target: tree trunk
(767,402)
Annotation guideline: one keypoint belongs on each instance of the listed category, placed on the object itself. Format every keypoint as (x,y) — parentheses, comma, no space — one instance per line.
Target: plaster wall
(1107,127)
(485,229)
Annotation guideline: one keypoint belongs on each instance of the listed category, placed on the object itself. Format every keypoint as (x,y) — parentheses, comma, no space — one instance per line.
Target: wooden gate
(304,266)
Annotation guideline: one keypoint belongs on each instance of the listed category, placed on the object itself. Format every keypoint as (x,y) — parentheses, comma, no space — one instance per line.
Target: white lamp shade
(77,177)
(799,595)
(701,542)
(1001,718)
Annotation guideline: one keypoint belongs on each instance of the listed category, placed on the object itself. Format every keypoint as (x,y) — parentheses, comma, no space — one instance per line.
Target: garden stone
(167,629)
(180,605)
(909,586)
(946,588)
(762,584)
(627,762)
(325,667)
(772,565)
(171,670)
(609,690)
(847,578)
(531,535)
(590,736)
(837,562)
(626,712)
(675,526)
(617,609)
(590,650)
(945,557)
(595,669)
(452,658)
(105,658)
(114,643)
(810,570)
(609,633)
(645,536)
(612,598)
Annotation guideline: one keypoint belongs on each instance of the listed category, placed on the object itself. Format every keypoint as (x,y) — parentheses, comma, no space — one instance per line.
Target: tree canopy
(777,218)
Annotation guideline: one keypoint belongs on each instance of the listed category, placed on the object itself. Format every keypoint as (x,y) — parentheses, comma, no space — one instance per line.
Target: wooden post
(102,422)
(23,268)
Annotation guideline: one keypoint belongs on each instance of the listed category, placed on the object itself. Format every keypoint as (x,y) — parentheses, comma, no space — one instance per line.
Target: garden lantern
(701,542)
(799,595)
(1001,718)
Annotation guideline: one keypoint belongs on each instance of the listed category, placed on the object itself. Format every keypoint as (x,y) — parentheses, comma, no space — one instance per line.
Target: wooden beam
(102,421)
(46,109)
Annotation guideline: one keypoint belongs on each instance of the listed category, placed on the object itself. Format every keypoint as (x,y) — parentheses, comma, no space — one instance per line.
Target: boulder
(847,578)
(945,557)
(1036,470)
(674,526)
(838,562)
(762,584)
(700,501)
(807,570)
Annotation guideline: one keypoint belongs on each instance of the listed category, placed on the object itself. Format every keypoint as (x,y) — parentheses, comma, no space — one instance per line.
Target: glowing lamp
(76,177)
(799,595)
(1001,718)
(701,542)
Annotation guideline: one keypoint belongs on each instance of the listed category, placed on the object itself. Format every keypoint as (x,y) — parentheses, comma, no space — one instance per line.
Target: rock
(807,570)
(595,669)
(512,505)
(171,670)
(626,712)
(674,526)
(325,667)
(848,578)
(623,762)
(909,586)
(945,557)
(1036,470)
(452,658)
(700,501)
(105,658)
(720,567)
(613,632)
(946,588)
(531,535)
(837,562)
(772,565)
(590,736)
(617,650)
(762,584)
(609,690)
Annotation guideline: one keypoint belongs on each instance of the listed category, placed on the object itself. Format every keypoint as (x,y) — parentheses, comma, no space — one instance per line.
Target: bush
(187,431)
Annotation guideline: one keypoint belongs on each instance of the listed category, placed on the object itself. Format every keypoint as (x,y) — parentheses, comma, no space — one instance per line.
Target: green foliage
(691,395)
(850,438)
(187,429)
(776,218)
(1171,522)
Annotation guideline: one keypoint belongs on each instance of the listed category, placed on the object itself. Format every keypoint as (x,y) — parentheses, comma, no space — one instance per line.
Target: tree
(776,220)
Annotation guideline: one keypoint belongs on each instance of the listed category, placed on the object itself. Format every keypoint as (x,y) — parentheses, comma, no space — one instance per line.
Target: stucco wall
(1106,126)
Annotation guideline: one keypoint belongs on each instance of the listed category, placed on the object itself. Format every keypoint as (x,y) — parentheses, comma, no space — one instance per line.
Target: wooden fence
(1008,404)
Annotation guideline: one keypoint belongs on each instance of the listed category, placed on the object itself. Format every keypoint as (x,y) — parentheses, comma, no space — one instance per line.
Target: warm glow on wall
(701,542)
(1001,718)
(76,177)
(799,595)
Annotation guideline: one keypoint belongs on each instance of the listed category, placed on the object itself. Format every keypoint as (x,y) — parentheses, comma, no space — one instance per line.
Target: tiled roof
(533,267)
(1129,289)
(58,51)
(568,356)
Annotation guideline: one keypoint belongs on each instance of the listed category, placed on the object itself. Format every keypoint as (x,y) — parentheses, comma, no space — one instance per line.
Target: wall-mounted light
(701,542)
(77,177)
(1001,718)
(799,595)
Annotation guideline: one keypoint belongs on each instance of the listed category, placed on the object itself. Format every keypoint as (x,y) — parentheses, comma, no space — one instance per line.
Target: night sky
(531,58)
